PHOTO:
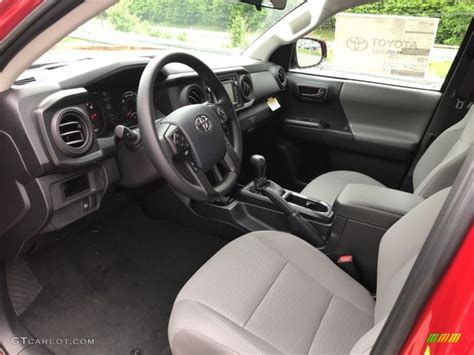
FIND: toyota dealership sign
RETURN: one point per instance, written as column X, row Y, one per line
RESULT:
column 384, row 45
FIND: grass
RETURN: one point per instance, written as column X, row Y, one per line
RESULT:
column 182, row 36
column 68, row 41
column 325, row 35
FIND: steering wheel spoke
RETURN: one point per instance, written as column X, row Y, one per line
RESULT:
column 161, row 135
column 231, row 160
column 176, row 140
column 200, row 177
column 222, row 115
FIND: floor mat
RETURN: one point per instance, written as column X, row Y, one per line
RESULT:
column 114, row 284
column 23, row 287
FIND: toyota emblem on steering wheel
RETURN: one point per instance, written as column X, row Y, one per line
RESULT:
column 203, row 124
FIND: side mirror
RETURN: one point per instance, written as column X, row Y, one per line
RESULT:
column 310, row 52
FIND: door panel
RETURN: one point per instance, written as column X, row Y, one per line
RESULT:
column 330, row 110
column 370, row 128
column 388, row 115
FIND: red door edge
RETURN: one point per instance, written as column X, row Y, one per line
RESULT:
column 446, row 323
column 13, row 12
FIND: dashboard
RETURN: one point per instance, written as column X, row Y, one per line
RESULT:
column 58, row 135
column 113, row 100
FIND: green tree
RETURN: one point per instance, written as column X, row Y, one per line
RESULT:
column 121, row 18
column 221, row 15
column 237, row 31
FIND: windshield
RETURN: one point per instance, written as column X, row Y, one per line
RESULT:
column 144, row 26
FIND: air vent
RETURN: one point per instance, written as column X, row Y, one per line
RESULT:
column 280, row 77
column 26, row 80
column 246, row 87
column 72, row 131
column 195, row 95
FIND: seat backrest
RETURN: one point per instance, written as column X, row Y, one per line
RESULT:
column 398, row 251
column 440, row 164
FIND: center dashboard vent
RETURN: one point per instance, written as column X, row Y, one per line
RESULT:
column 72, row 131
column 194, row 95
column 246, row 87
column 280, row 76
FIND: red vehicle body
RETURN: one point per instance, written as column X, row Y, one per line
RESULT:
column 446, row 324
column 13, row 12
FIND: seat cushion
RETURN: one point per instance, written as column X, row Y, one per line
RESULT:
column 327, row 187
column 269, row 292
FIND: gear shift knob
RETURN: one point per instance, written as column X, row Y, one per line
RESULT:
column 260, row 167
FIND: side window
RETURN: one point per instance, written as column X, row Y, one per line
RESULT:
column 401, row 42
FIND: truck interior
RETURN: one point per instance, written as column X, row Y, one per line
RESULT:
column 192, row 202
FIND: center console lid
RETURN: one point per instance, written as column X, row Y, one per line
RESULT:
column 375, row 205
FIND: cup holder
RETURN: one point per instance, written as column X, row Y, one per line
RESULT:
column 302, row 201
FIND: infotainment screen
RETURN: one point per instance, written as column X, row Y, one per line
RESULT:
column 230, row 90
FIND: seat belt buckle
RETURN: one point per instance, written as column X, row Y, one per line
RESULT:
column 346, row 263
column 459, row 104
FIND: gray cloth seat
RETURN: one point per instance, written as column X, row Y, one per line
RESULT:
column 270, row 293
column 436, row 169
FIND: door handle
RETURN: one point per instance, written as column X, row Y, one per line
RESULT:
column 312, row 93
column 319, row 94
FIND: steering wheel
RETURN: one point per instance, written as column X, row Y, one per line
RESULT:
column 194, row 140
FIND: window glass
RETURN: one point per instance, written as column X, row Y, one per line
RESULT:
column 223, row 27
column 409, row 42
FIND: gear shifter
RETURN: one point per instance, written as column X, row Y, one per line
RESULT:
column 298, row 225
column 260, row 167
column 260, row 181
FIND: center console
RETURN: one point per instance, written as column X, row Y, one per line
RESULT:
column 266, row 193
column 264, row 205
column 310, row 208
column 366, row 212
column 374, row 205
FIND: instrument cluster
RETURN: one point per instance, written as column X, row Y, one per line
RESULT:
column 108, row 109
